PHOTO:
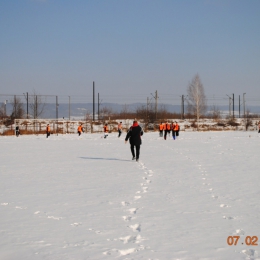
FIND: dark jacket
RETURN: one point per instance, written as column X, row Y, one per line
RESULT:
column 134, row 134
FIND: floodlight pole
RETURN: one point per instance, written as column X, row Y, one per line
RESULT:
column 239, row 106
column 69, row 108
column 93, row 101
column 233, row 106
column 182, row 106
column 244, row 104
column 57, row 105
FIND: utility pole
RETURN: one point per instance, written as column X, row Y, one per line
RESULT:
column 239, row 106
column 69, row 108
column 93, row 101
column 27, row 105
column 233, row 106
column 156, row 104
column 57, row 117
column 244, row 104
column 147, row 109
column 36, row 107
column 182, row 106
column 99, row 102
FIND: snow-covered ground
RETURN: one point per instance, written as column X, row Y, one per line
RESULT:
column 70, row 197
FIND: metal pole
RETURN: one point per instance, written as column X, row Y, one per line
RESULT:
column 36, row 108
column 182, row 112
column 27, row 105
column 15, row 104
column 69, row 108
column 57, row 114
column 229, row 107
column 233, row 106
column 156, row 97
column 183, row 107
column 244, row 103
column 147, row 109
column 93, row 101
column 239, row 106
column 98, row 107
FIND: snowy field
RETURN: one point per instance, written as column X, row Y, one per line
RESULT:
column 70, row 197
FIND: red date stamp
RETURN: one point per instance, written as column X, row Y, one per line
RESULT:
column 249, row 241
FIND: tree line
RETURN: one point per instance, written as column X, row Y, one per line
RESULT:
column 196, row 108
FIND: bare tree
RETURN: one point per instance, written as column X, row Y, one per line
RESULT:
column 247, row 120
column 196, row 98
column 17, row 108
column 106, row 113
column 36, row 105
column 215, row 113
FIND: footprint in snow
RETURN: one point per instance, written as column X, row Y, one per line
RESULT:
column 133, row 210
column 229, row 218
column 145, row 189
column 55, row 218
column 17, row 207
column 251, row 253
column 240, row 232
column 4, row 204
column 96, row 231
column 131, row 239
column 127, row 218
column 223, row 206
column 137, row 197
column 214, row 197
column 125, row 203
column 115, row 252
column 76, row 224
column 136, row 227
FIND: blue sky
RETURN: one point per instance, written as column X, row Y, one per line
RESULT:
column 129, row 48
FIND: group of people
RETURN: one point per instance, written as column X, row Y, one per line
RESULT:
column 119, row 129
column 167, row 128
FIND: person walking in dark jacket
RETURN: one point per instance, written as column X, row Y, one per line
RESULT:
column 134, row 135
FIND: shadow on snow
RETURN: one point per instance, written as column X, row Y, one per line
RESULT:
column 109, row 159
